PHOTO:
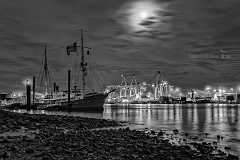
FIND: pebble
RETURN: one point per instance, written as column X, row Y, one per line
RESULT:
column 4, row 155
column 153, row 132
column 61, row 137
column 175, row 131
column 232, row 157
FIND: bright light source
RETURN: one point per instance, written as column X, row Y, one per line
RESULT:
column 208, row 88
column 143, row 14
column 177, row 89
column 27, row 82
column 165, row 82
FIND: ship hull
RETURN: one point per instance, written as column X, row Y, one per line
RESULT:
column 91, row 103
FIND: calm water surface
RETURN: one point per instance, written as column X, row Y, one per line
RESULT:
column 194, row 119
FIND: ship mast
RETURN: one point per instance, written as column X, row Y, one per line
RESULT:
column 44, row 74
column 83, row 65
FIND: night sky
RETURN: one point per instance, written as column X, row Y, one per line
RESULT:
column 181, row 38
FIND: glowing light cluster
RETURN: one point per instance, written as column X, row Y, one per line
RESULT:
column 141, row 11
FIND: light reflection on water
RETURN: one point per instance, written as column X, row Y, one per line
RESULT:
column 212, row 119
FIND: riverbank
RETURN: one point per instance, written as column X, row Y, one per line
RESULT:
column 25, row 136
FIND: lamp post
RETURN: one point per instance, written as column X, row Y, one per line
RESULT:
column 28, row 93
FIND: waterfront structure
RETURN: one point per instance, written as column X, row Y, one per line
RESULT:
column 160, row 91
column 135, row 92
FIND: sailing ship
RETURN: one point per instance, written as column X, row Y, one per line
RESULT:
column 72, row 99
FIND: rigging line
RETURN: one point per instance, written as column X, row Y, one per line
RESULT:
column 91, row 69
column 79, row 71
column 44, row 73
column 49, row 78
column 97, row 80
column 40, row 72
column 90, row 76
column 75, row 71
column 101, row 79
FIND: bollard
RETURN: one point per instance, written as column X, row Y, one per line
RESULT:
column 54, row 87
column 57, row 88
column 69, row 85
column 33, row 89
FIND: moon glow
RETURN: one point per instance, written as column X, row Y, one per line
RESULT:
column 141, row 12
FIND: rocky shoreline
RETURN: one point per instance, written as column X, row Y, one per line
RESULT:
column 27, row 136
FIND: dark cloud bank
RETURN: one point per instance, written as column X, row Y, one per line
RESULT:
column 182, row 40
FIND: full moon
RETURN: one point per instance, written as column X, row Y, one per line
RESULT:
column 142, row 11
column 143, row 15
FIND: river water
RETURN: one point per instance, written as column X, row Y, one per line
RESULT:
column 194, row 119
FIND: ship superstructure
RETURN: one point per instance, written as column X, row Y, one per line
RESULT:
column 77, row 99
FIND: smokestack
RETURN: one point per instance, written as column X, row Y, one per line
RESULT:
column 34, row 86
column 69, row 85
column 54, row 87
column 28, row 90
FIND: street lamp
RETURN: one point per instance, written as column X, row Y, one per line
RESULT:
column 28, row 93
column 27, row 82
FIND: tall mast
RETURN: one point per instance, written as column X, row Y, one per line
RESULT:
column 44, row 74
column 83, row 65
column 46, row 69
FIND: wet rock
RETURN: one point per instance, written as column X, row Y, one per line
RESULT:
column 4, row 155
column 175, row 131
column 29, row 138
column 214, row 143
column 62, row 137
column 186, row 134
column 153, row 132
column 227, row 148
column 232, row 157
column 14, row 148
column 194, row 137
column 29, row 150
column 160, row 133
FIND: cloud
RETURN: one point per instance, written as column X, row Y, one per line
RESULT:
column 180, row 38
